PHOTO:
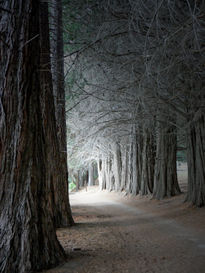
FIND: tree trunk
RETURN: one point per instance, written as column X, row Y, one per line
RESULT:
column 91, row 175
column 129, row 168
column 80, row 178
column 165, row 180
column 64, row 216
column 148, row 159
column 139, row 147
column 95, row 170
column 124, row 154
column 101, row 172
column 136, row 172
column 27, row 233
column 196, row 162
column 85, row 179
column 78, row 181
column 117, row 165
column 107, row 173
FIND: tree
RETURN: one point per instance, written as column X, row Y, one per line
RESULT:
column 28, row 240
column 64, row 216
column 165, row 180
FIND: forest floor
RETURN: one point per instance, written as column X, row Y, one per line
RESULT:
column 124, row 234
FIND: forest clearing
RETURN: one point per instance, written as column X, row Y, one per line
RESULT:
column 124, row 234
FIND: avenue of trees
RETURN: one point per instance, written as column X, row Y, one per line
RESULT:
column 132, row 72
column 136, row 93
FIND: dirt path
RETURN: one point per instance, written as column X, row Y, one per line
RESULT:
column 122, row 234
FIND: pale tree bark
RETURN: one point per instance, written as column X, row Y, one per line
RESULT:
column 165, row 178
column 129, row 169
column 27, row 232
column 136, row 172
column 139, row 147
column 91, row 175
column 124, row 156
column 117, row 165
column 64, row 215
column 107, row 172
column 99, row 165
column 101, row 172
column 135, row 190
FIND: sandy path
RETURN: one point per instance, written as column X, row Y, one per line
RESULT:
column 116, row 234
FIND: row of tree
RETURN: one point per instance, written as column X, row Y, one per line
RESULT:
column 33, row 160
column 136, row 93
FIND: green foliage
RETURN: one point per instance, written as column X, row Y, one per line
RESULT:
column 76, row 22
column 181, row 156
column 71, row 184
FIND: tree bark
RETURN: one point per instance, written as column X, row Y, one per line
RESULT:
column 80, row 178
column 148, row 160
column 64, row 215
column 101, row 172
column 124, row 154
column 129, row 168
column 28, row 240
column 134, row 168
column 117, row 165
column 165, row 180
column 91, row 175
column 196, row 162
column 139, row 147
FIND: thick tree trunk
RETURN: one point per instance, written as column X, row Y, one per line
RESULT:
column 148, row 160
column 139, row 147
column 124, row 156
column 91, row 175
column 78, row 181
column 101, row 172
column 95, row 171
column 196, row 162
column 80, row 178
column 27, row 233
column 117, row 165
column 165, row 180
column 129, row 169
column 107, row 173
column 85, row 179
column 64, row 216
column 134, row 164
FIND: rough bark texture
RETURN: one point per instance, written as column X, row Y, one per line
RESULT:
column 64, row 216
column 135, row 188
column 124, row 155
column 148, row 160
column 27, row 233
column 108, row 185
column 117, row 165
column 165, row 180
column 129, row 169
column 139, row 148
column 196, row 161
